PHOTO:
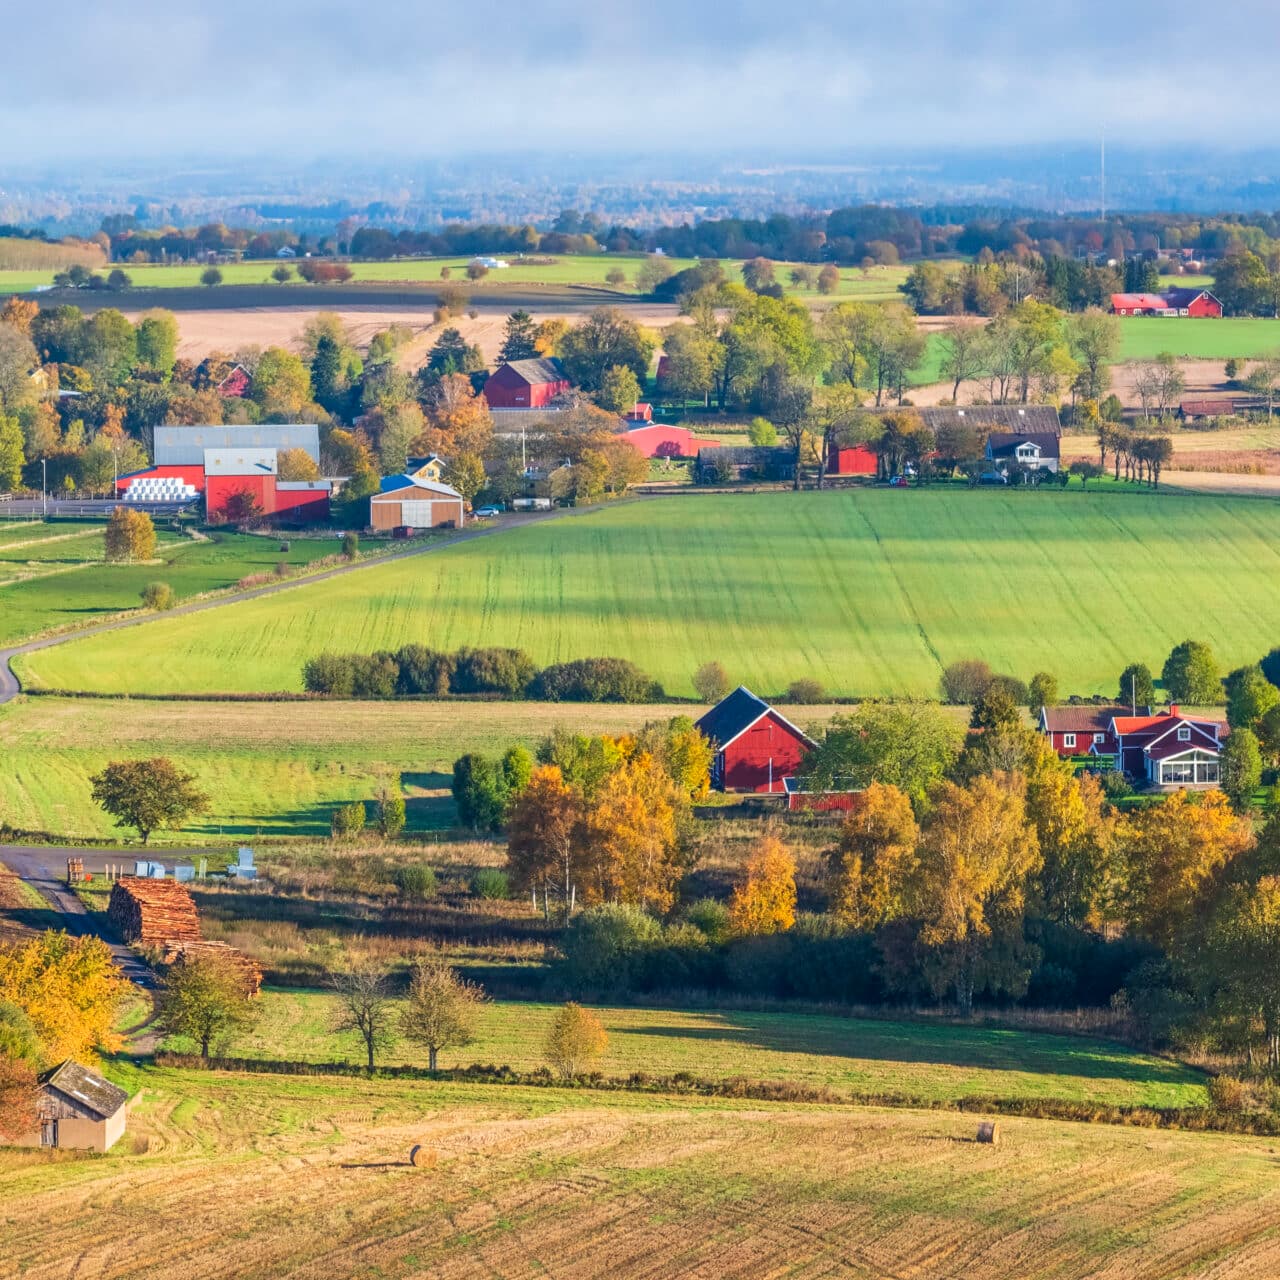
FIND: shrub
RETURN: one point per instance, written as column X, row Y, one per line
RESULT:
column 350, row 544
column 711, row 918
column 1226, row 1093
column 347, row 820
column 424, row 670
column 604, row 947
column 805, row 692
column 391, row 816
column 507, row 671
column 329, row 673
column 711, row 682
column 158, row 596
column 479, row 792
column 374, row 676
column 491, row 883
column 594, row 680
column 965, row 681
column 575, row 1041
column 416, row 882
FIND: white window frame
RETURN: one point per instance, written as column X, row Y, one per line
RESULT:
column 1068, row 739
column 1099, row 738
column 1184, row 734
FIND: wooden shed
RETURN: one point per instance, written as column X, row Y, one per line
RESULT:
column 153, row 911
column 77, row 1109
column 407, row 502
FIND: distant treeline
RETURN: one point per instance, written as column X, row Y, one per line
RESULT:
column 417, row 671
column 844, row 236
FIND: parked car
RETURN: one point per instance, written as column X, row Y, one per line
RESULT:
column 993, row 477
column 899, row 482
column 487, row 513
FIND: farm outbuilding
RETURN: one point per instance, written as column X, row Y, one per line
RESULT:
column 526, row 384
column 851, row 460
column 655, row 440
column 407, row 502
column 1195, row 303
column 185, row 446
column 77, row 1110
column 756, row 748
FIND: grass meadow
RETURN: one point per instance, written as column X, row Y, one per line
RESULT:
column 537, row 1182
column 53, row 575
column 871, row 592
column 1143, row 337
column 933, row 1061
column 876, row 282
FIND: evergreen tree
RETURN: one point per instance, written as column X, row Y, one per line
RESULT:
column 520, row 339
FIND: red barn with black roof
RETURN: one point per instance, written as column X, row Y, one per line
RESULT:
column 756, row 747
column 526, row 384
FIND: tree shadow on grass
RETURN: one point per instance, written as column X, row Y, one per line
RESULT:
column 931, row 1044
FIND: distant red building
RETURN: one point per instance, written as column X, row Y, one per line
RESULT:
column 756, row 747
column 851, row 460
column 526, row 384
column 1197, row 303
column 639, row 414
column 657, row 440
column 235, row 385
column 1080, row 731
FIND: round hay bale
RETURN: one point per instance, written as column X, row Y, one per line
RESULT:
column 989, row 1132
column 423, row 1157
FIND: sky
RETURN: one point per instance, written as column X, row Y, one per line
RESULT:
column 139, row 78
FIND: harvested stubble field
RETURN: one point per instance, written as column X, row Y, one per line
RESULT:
column 275, row 770
column 258, row 1177
column 926, row 1060
column 871, row 592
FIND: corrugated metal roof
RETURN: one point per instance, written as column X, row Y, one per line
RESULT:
column 240, row 462
column 186, row 445
column 398, row 484
column 321, row 486
column 1039, row 419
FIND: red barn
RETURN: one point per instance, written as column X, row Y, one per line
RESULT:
column 756, row 748
column 851, row 460
column 235, row 385
column 1194, row 302
column 1173, row 302
column 526, row 384
column 166, row 476
column 659, row 441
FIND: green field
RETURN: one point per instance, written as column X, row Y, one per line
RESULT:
column 53, row 575
column 877, row 282
column 868, row 591
column 265, row 1176
column 1146, row 336
column 922, row 1060
column 270, row 770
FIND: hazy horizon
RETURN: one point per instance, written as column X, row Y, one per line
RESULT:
column 140, row 80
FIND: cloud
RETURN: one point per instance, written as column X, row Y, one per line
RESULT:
column 142, row 78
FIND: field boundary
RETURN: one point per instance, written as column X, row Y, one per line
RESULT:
column 1191, row 1119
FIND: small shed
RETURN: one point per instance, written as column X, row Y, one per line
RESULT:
column 77, row 1109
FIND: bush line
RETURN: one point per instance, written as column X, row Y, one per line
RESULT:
column 1191, row 1119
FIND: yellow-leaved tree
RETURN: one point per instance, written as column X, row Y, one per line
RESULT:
column 870, row 867
column 70, row 988
column 764, row 899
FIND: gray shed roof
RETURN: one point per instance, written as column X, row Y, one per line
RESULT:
column 185, row 446
column 1039, row 419
column 92, row 1091
column 239, row 462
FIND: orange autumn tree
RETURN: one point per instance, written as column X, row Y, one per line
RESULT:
column 69, row 988
column 876, row 854
column 1172, row 854
column 630, row 837
column 17, row 1098
column 764, row 899
column 543, row 849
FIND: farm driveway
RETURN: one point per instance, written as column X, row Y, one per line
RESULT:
column 10, row 686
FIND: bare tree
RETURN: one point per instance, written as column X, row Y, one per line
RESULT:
column 364, row 1006
column 1264, row 380
column 964, row 354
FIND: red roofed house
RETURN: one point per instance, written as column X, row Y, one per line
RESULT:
column 1170, row 749
column 1173, row 302
column 526, row 384
column 1080, row 731
column 640, row 414
column 756, row 748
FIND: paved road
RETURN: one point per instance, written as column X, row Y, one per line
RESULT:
column 45, row 869
column 11, row 686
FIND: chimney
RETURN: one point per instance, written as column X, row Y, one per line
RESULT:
column 1174, row 709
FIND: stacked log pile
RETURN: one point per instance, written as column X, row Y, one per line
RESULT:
column 248, row 970
column 153, row 911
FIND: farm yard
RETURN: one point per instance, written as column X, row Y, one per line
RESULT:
column 547, row 1181
column 53, row 575
column 869, row 592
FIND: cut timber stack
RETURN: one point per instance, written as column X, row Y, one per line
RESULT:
column 248, row 970
column 153, row 911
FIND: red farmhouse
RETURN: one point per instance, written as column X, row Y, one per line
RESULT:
column 756, row 748
column 1080, row 731
column 526, row 384
column 851, row 460
column 1173, row 302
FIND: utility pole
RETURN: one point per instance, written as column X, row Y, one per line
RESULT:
column 44, row 484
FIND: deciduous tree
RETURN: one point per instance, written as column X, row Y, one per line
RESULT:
column 1191, row 674
column 442, row 1010
column 542, row 835
column 764, row 899
column 1241, row 768
column 130, row 535
column 362, row 1003
column 577, row 1039
column 871, row 865
column 149, row 795
column 205, row 999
